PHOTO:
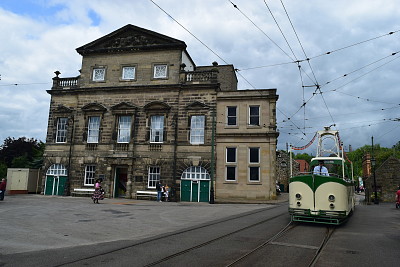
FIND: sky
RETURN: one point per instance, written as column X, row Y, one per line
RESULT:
column 333, row 63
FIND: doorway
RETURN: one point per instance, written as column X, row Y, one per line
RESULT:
column 120, row 180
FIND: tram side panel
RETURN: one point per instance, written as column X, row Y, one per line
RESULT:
column 332, row 197
column 301, row 196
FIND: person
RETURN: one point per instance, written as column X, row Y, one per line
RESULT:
column 3, row 186
column 166, row 192
column 159, row 188
column 321, row 169
column 98, row 192
column 398, row 198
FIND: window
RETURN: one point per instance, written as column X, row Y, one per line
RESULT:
column 93, row 129
column 57, row 170
column 231, row 173
column 254, row 174
column 61, row 134
column 124, row 129
column 154, row 177
column 231, row 117
column 197, row 129
column 89, row 174
column 160, row 71
column 195, row 173
column 254, row 155
column 231, row 154
column 128, row 73
column 254, row 115
column 157, row 129
column 99, row 74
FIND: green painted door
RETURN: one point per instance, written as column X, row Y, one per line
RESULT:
column 49, row 185
column 195, row 191
column 185, row 190
column 62, row 180
column 204, row 191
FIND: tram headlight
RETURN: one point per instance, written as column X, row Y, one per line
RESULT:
column 331, row 198
column 298, row 196
column 332, row 206
column 298, row 203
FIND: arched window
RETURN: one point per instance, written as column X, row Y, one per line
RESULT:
column 57, row 169
column 195, row 173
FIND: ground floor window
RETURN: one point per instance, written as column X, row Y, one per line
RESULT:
column 153, row 176
column 196, row 173
column 230, row 173
column 254, row 174
column 57, row 170
column 90, row 171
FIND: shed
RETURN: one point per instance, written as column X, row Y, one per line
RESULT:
column 23, row 181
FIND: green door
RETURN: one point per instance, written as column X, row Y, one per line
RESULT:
column 204, row 191
column 62, row 180
column 195, row 191
column 185, row 190
column 49, row 185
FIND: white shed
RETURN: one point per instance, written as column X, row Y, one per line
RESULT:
column 23, row 181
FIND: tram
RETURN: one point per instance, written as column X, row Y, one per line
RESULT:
column 320, row 196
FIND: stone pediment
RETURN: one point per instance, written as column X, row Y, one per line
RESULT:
column 156, row 105
column 130, row 38
column 94, row 107
column 62, row 109
column 123, row 107
column 197, row 105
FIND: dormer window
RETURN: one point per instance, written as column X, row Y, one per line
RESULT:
column 99, row 74
column 160, row 71
column 128, row 73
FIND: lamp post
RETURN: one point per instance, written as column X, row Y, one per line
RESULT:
column 373, row 162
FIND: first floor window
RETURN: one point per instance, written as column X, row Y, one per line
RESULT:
column 154, row 177
column 231, row 154
column 160, row 71
column 90, row 170
column 254, row 115
column 157, row 129
column 231, row 117
column 99, row 74
column 197, row 130
column 254, row 155
column 61, row 134
column 128, row 73
column 93, row 129
column 230, row 173
column 124, row 129
column 254, row 174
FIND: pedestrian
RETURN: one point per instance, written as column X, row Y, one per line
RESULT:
column 398, row 198
column 3, row 186
column 321, row 169
column 98, row 192
column 159, row 189
column 166, row 192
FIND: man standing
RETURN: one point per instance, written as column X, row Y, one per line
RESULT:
column 159, row 191
column 3, row 186
column 321, row 169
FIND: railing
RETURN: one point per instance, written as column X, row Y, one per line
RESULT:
column 201, row 76
column 65, row 83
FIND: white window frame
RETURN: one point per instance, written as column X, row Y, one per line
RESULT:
column 157, row 129
column 226, row 155
column 254, row 116
column 90, row 172
column 258, row 174
column 93, row 132
column 153, row 177
column 57, row 170
column 124, row 129
column 99, row 74
column 126, row 70
column 160, row 71
column 197, row 124
column 230, row 116
column 226, row 173
column 195, row 173
column 61, row 133
column 258, row 155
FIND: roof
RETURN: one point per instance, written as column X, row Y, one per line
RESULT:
column 130, row 38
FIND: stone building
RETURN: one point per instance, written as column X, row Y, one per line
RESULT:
column 141, row 111
column 284, row 170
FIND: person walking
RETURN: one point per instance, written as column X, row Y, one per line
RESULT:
column 159, row 189
column 98, row 192
column 3, row 186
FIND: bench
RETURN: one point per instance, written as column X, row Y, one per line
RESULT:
column 82, row 192
column 148, row 194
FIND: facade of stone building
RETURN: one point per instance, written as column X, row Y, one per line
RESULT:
column 284, row 170
column 141, row 111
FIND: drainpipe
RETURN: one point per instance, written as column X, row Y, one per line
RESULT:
column 68, row 183
column 212, row 200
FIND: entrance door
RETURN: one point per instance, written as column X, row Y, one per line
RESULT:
column 195, row 185
column 55, row 185
column 121, row 178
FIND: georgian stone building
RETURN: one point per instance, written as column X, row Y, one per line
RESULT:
column 142, row 111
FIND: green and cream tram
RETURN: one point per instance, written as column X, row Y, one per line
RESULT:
column 323, row 197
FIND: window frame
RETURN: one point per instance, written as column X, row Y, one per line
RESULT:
column 229, row 116
column 197, row 135
column 127, row 130
column 62, row 130
column 228, row 179
column 123, row 73
column 153, row 130
column 153, row 172
column 97, row 68
column 258, row 155
column 90, row 174
column 156, row 72
column 226, row 154
column 254, row 116
column 93, row 130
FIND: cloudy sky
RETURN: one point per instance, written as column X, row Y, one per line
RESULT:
column 351, row 79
